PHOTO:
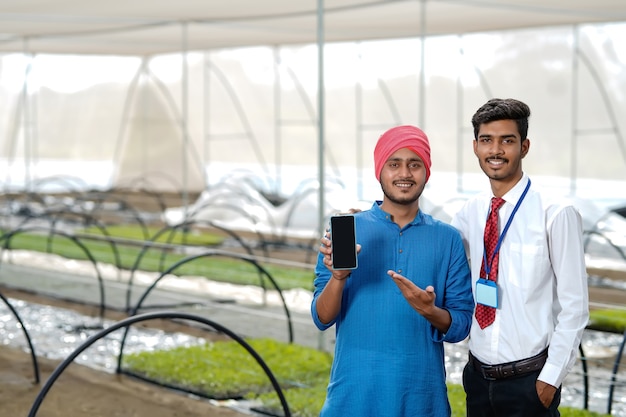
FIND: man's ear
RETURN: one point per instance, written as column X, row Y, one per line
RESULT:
column 525, row 147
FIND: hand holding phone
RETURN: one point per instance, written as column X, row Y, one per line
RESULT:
column 343, row 242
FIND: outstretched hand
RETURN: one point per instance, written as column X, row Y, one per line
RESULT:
column 422, row 300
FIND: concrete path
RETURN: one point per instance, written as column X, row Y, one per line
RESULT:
column 249, row 319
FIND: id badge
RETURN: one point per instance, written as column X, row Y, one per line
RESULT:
column 487, row 293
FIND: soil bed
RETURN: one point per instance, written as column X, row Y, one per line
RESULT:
column 82, row 391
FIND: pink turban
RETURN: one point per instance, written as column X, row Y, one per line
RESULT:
column 401, row 137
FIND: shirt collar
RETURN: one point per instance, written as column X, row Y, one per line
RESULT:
column 383, row 215
column 515, row 193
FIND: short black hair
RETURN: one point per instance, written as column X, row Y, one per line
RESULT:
column 502, row 109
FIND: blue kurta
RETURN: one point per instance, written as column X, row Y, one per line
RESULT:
column 389, row 360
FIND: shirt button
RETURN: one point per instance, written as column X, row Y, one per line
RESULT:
column 399, row 271
column 400, row 251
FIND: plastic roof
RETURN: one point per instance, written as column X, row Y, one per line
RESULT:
column 133, row 27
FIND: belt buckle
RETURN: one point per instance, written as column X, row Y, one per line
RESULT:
column 484, row 373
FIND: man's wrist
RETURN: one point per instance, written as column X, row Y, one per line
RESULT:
column 341, row 279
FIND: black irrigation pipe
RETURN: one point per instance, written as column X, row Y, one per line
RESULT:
column 9, row 235
column 151, row 316
column 90, row 220
column 145, row 247
column 19, row 206
column 185, row 227
column 98, row 197
column 175, row 387
column 103, row 197
column 310, row 248
column 151, row 244
column 54, row 216
column 262, row 270
column 583, row 361
column 614, row 374
column 239, row 210
column 621, row 347
column 28, row 340
column 32, row 196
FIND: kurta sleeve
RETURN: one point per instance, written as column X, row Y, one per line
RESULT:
column 458, row 298
column 322, row 275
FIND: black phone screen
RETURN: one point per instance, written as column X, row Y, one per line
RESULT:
column 343, row 238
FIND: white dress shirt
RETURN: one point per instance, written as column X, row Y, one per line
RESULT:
column 542, row 280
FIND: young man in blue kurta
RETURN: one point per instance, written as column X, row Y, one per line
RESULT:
column 410, row 293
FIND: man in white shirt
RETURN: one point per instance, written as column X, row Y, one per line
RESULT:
column 537, row 286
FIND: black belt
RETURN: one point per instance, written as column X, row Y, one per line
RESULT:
column 507, row 370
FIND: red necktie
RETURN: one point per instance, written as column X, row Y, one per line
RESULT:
column 486, row 315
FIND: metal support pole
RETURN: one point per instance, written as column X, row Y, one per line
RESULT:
column 320, row 125
column 421, row 111
column 320, row 117
column 573, row 147
column 184, row 117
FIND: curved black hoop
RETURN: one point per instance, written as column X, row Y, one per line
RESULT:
column 209, row 253
column 28, row 340
column 151, row 316
column 5, row 240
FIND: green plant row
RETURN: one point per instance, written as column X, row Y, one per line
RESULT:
column 157, row 259
column 215, row 268
column 608, row 320
column 224, row 369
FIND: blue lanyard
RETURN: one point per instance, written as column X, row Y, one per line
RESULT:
column 501, row 237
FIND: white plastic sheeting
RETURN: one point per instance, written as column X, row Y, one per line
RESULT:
column 161, row 26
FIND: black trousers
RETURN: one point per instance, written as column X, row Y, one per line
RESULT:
column 509, row 397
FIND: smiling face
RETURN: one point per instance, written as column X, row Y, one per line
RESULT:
column 403, row 177
column 500, row 151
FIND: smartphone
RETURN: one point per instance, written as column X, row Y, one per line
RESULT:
column 343, row 241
